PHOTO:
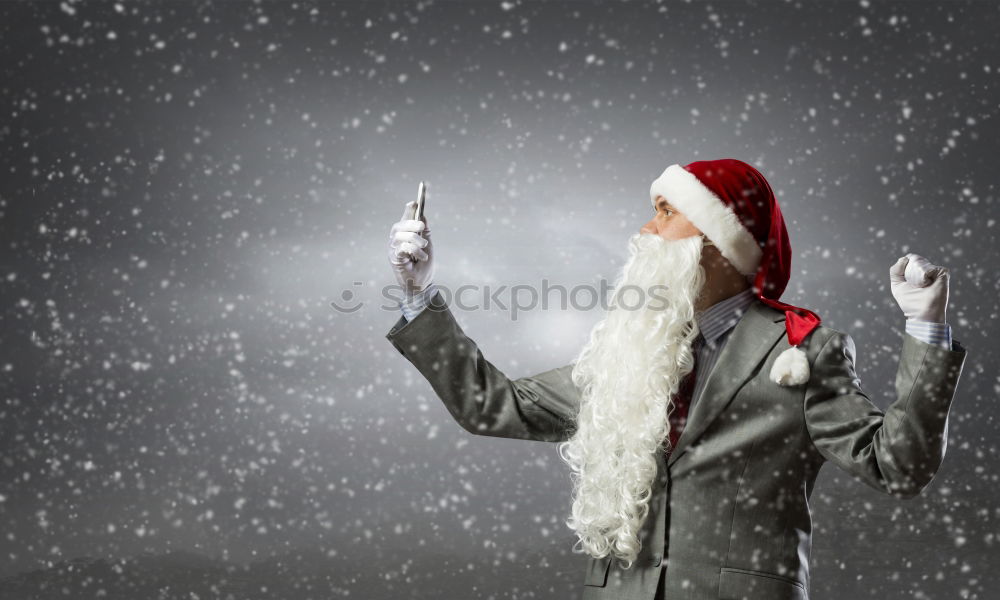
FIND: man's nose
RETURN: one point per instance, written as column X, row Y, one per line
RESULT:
column 649, row 227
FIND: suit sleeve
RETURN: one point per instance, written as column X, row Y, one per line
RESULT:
column 479, row 396
column 896, row 452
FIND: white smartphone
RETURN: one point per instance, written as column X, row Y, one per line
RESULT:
column 421, row 196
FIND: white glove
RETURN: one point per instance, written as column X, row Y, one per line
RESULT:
column 410, row 254
column 920, row 288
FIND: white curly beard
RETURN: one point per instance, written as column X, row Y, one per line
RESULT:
column 628, row 371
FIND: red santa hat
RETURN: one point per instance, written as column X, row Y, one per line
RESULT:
column 733, row 205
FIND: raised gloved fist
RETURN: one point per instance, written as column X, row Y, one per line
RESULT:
column 920, row 288
column 411, row 252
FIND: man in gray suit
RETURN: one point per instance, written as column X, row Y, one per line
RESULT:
column 695, row 421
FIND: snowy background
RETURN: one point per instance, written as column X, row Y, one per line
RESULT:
column 186, row 187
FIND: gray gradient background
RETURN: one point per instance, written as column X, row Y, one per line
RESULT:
column 180, row 204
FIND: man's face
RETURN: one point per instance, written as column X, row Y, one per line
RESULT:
column 669, row 223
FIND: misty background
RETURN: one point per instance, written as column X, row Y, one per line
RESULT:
column 186, row 187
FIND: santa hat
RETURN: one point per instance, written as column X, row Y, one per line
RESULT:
column 733, row 205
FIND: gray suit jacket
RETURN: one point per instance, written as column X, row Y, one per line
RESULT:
column 730, row 517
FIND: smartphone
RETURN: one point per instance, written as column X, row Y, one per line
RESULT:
column 421, row 196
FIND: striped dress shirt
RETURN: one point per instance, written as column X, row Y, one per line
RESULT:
column 715, row 324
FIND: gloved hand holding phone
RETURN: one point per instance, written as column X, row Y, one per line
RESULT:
column 411, row 251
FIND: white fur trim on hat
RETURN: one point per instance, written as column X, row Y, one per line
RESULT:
column 791, row 367
column 710, row 214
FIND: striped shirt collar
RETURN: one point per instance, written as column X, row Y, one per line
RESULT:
column 724, row 315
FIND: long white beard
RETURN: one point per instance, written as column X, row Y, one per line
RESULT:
column 628, row 372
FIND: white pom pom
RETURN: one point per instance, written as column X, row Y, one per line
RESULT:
column 791, row 367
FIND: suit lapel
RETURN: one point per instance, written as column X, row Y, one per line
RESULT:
column 748, row 345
